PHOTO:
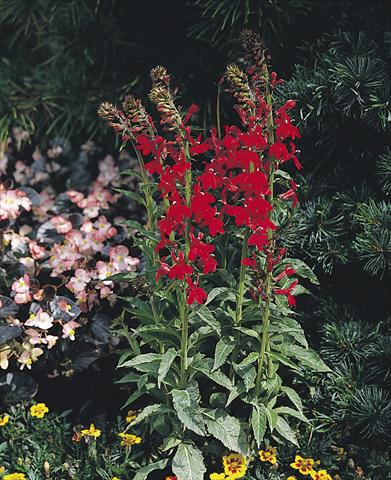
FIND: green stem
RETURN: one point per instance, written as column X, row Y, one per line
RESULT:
column 184, row 309
column 242, row 276
column 265, row 342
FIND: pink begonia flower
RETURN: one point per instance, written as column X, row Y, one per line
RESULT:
column 117, row 257
column 18, row 242
column 108, row 171
column 21, row 288
column 62, row 258
column 10, row 203
column 68, row 330
column 35, row 336
column 105, row 270
column 61, row 224
column 104, row 291
column 40, row 319
column 29, row 356
column 50, row 341
column 37, row 252
column 79, row 281
column 65, row 307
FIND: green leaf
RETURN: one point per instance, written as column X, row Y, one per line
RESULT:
column 292, row 413
column 251, row 358
column 188, row 463
column 143, row 358
column 272, row 418
column 137, row 226
column 285, row 431
column 293, row 397
column 258, row 423
column 132, row 173
column 206, row 316
column 143, row 472
column 227, row 429
column 167, row 359
column 188, row 411
column 205, row 366
column 223, row 348
column 133, row 195
column 306, row 356
column 151, row 410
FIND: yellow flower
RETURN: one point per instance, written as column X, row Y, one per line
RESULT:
column 115, row 478
column 39, row 410
column 131, row 416
column 268, row 455
column 128, row 439
column 4, row 420
column 320, row 475
column 235, row 465
column 217, row 476
column 15, row 476
column 91, row 432
column 304, row 465
column 291, row 477
column 2, row 469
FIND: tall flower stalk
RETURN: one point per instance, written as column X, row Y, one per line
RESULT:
column 219, row 186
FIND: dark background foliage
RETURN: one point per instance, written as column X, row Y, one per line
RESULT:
column 59, row 59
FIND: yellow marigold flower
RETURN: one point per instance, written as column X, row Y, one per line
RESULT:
column 128, row 439
column 115, row 478
column 235, row 465
column 2, row 469
column 15, row 476
column 268, row 455
column 304, row 465
column 291, row 477
column 131, row 416
column 320, row 475
column 91, row 432
column 39, row 410
column 217, row 476
column 4, row 420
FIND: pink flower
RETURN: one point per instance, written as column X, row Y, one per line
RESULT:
column 68, row 330
column 10, row 203
column 21, row 288
column 40, row 319
column 37, row 252
column 79, row 281
column 61, row 224
column 121, row 261
column 105, row 270
column 29, row 355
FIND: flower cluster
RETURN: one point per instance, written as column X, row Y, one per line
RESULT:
column 58, row 255
column 206, row 183
column 268, row 455
column 306, row 467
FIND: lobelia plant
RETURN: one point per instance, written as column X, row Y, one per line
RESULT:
column 212, row 332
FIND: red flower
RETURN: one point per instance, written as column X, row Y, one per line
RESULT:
column 180, row 268
column 195, row 293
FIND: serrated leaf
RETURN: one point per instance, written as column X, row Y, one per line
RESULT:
column 133, row 195
column 143, row 472
column 283, row 428
column 302, row 269
column 188, row 463
column 223, row 348
column 251, row 358
column 306, row 356
column 291, row 413
column 272, row 418
column 143, row 358
column 188, row 410
column 293, row 397
column 151, row 410
column 206, row 316
column 167, row 359
column 258, row 423
column 227, row 429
